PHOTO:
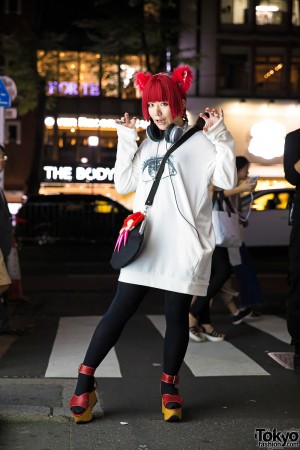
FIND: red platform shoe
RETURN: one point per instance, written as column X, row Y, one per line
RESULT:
column 87, row 401
column 171, row 414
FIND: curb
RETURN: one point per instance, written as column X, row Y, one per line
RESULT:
column 40, row 413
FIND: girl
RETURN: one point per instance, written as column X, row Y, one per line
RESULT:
column 179, row 240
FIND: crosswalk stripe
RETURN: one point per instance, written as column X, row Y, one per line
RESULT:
column 211, row 359
column 273, row 325
column 206, row 359
column 72, row 339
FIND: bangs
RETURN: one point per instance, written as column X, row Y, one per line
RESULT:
column 161, row 88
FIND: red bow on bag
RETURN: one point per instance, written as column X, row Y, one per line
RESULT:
column 129, row 224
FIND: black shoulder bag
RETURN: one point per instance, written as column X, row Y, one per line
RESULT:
column 131, row 235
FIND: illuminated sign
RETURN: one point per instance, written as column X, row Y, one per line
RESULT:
column 267, row 139
column 88, row 122
column 72, row 88
column 78, row 174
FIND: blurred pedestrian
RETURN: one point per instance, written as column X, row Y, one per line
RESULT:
column 5, row 247
column 176, row 255
column 5, row 281
column 250, row 296
column 225, row 261
column 292, row 174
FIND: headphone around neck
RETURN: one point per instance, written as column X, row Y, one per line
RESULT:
column 171, row 134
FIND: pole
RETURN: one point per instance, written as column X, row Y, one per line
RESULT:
column 2, row 125
column 2, row 120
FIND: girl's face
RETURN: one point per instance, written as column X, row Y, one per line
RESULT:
column 243, row 173
column 161, row 115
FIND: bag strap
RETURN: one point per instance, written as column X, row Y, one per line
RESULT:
column 220, row 199
column 158, row 176
column 216, row 200
column 228, row 203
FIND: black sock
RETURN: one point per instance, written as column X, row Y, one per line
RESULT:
column 167, row 388
column 85, row 383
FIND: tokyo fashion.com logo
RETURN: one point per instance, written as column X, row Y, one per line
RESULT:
column 267, row 438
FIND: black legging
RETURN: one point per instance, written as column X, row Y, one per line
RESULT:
column 125, row 303
column 220, row 272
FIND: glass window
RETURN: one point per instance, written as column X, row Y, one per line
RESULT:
column 13, row 132
column 70, row 73
column 47, row 64
column 272, row 200
column 129, row 66
column 296, row 13
column 110, row 76
column 271, row 12
column 234, row 12
column 89, row 71
column 295, row 73
column 269, row 71
column 78, row 73
column 234, row 71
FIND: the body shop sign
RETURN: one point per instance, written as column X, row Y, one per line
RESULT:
column 78, row 174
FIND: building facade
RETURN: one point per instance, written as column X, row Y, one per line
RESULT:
column 246, row 60
column 250, row 67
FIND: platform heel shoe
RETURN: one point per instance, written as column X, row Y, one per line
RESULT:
column 171, row 413
column 87, row 401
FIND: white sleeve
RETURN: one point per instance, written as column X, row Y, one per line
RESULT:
column 126, row 166
column 224, row 174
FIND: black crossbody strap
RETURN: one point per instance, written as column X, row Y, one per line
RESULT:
column 156, row 181
column 227, row 201
column 217, row 201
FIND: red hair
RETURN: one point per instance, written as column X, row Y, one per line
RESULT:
column 164, row 87
column 161, row 88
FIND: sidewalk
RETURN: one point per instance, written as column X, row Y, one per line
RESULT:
column 36, row 415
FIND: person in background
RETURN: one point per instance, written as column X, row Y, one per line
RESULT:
column 5, row 281
column 176, row 253
column 5, row 247
column 225, row 261
column 250, row 296
column 291, row 161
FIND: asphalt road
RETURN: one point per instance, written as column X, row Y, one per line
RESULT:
column 235, row 396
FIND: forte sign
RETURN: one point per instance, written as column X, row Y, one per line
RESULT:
column 72, row 88
column 78, row 174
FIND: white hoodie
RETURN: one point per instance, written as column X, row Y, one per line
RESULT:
column 174, row 256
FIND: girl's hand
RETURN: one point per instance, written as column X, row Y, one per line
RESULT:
column 126, row 122
column 245, row 186
column 211, row 116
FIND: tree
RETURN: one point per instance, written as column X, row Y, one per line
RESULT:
column 116, row 29
column 19, row 49
column 134, row 27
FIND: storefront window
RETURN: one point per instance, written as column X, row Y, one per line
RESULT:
column 70, row 73
column 109, row 76
column 269, row 72
column 89, row 74
column 234, row 71
column 128, row 68
column 47, row 64
column 234, row 11
column 295, row 73
column 271, row 12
